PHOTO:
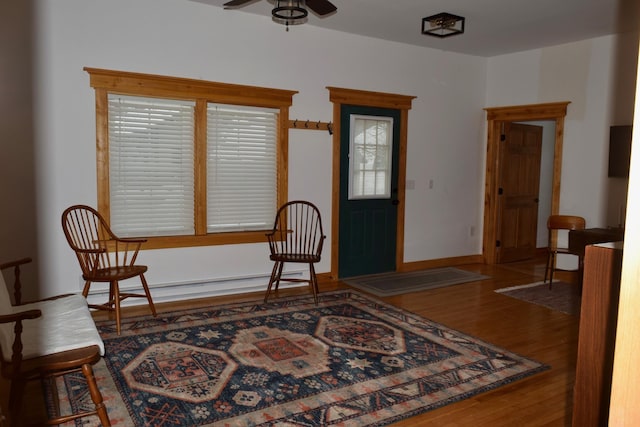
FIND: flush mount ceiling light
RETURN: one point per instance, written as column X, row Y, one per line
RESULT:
column 443, row 25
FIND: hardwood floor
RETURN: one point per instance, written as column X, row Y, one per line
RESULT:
column 550, row 337
column 544, row 399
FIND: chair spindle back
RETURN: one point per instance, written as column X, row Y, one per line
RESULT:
column 298, row 229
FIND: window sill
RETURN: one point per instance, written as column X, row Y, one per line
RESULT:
column 166, row 242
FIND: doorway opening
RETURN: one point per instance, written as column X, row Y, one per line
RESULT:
column 497, row 118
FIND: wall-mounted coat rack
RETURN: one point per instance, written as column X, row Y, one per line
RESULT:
column 309, row 125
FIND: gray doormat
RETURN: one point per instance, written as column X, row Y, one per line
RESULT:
column 387, row 284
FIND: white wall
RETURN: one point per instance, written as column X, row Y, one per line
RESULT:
column 446, row 141
column 446, row 135
column 18, row 233
column 594, row 76
column 587, row 74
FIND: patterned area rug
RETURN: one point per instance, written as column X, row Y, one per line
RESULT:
column 387, row 284
column 562, row 296
column 349, row 361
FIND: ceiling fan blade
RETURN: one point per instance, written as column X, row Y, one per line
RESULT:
column 236, row 3
column 321, row 7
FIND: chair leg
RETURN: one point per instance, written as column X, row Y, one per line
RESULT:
column 552, row 268
column 279, row 275
column 112, row 299
column 148, row 294
column 313, row 281
column 85, row 290
column 96, row 396
column 546, row 267
column 116, row 300
column 275, row 274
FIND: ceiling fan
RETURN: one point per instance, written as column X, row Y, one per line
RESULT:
column 290, row 11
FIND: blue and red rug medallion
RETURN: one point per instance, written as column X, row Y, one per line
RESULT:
column 349, row 361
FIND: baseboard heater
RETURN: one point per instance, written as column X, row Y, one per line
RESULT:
column 180, row 291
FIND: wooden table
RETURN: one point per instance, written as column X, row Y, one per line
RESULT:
column 579, row 239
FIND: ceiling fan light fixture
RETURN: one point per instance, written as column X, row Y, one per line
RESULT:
column 443, row 25
column 289, row 12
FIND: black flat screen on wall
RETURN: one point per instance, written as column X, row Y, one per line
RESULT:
column 619, row 151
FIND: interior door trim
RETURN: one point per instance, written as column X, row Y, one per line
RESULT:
column 496, row 117
column 340, row 96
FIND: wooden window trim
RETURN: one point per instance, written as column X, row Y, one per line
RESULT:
column 105, row 82
column 496, row 117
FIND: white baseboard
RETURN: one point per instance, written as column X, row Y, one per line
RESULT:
column 180, row 291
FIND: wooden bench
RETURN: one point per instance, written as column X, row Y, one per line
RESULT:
column 46, row 339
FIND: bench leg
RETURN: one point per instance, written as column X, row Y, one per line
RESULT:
column 96, row 396
column 15, row 401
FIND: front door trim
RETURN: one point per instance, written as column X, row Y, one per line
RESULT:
column 340, row 96
column 496, row 117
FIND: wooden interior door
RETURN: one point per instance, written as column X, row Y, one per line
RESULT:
column 518, row 192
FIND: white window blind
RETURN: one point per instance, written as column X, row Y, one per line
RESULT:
column 241, row 168
column 151, row 166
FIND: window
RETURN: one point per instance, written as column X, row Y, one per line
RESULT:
column 241, row 159
column 371, row 144
column 151, row 164
column 187, row 162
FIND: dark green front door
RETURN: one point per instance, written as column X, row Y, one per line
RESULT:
column 369, row 140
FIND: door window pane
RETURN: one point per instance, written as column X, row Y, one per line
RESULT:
column 370, row 148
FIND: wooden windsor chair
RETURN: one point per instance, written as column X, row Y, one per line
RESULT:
column 297, row 237
column 104, row 257
column 44, row 340
column 557, row 223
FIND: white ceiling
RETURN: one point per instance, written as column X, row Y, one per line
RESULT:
column 492, row 27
